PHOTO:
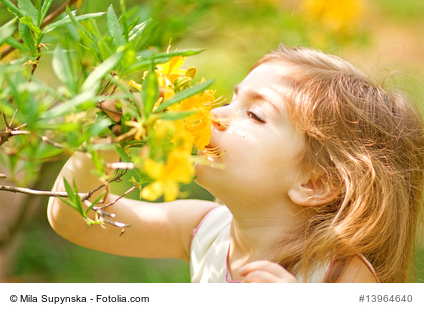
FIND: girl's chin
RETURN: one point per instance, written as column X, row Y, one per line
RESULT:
column 205, row 173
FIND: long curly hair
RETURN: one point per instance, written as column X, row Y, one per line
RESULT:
column 368, row 144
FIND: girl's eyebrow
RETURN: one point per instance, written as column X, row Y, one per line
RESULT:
column 254, row 94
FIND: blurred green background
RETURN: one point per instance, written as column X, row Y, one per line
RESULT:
column 383, row 37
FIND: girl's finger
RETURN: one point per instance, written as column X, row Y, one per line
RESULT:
column 260, row 277
column 268, row 266
column 272, row 268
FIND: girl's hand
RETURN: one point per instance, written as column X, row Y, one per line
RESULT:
column 265, row 272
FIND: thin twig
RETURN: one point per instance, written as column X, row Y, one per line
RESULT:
column 102, row 215
column 114, row 179
column 50, row 142
column 6, row 134
column 12, row 119
column 83, row 196
column 10, row 130
column 33, row 192
column 35, row 63
column 89, row 204
column 120, row 165
column 19, row 132
column 117, row 199
column 99, row 106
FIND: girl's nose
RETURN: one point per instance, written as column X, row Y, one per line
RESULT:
column 218, row 119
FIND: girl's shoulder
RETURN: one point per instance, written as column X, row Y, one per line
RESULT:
column 358, row 270
column 213, row 223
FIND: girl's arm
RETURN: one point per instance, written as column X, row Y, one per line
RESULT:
column 158, row 230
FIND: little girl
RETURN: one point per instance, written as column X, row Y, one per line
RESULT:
column 322, row 182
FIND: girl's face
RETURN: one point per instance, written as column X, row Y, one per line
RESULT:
column 257, row 141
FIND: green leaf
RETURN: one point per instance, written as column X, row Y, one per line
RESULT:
column 68, row 188
column 121, row 152
column 124, row 17
column 12, row 8
column 186, row 93
column 127, row 116
column 28, row 38
column 124, row 156
column 95, row 158
column 150, row 92
column 43, row 12
column 160, row 58
column 105, row 46
column 137, row 30
column 172, row 116
column 129, row 58
column 97, row 200
column 27, row 7
column 71, row 204
column 29, row 22
column 68, row 20
column 7, row 30
column 170, row 55
column 93, row 81
column 78, row 202
column 77, row 24
column 16, row 44
column 63, row 69
column 67, row 106
column 46, row 152
column 75, row 201
column 114, row 27
column 98, row 127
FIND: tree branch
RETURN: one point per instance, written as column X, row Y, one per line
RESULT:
column 14, row 131
column 116, row 200
column 50, row 142
column 10, row 130
column 121, row 166
column 63, row 194
column 84, row 198
column 33, row 192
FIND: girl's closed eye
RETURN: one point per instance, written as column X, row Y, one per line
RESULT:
column 255, row 117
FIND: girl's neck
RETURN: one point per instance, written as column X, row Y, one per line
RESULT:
column 256, row 231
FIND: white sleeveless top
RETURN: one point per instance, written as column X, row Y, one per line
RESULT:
column 209, row 247
column 209, row 251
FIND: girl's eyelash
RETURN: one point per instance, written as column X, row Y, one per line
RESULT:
column 256, row 118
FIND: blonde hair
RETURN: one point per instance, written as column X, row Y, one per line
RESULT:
column 368, row 144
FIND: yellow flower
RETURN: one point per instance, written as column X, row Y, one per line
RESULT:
column 173, row 132
column 135, row 85
column 199, row 123
column 170, row 71
column 177, row 169
column 172, row 139
column 137, row 130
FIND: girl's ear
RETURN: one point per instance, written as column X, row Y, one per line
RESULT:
column 314, row 192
